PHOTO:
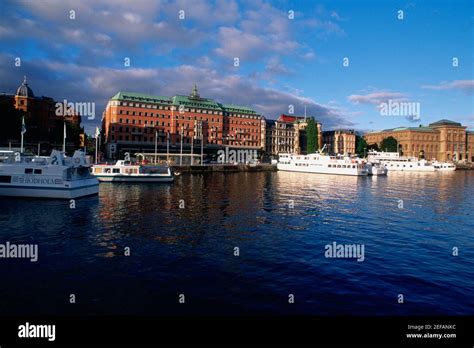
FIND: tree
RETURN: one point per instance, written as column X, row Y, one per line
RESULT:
column 361, row 146
column 389, row 144
column 312, row 136
column 373, row 146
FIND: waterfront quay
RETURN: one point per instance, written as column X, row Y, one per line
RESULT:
column 224, row 168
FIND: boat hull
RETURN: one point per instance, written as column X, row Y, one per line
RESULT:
column 323, row 170
column 76, row 190
column 128, row 178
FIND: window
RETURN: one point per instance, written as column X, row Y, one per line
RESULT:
column 38, row 171
column 28, row 171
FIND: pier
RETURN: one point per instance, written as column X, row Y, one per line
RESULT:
column 224, row 168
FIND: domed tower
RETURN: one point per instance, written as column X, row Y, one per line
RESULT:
column 24, row 97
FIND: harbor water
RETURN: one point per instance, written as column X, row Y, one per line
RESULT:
column 245, row 244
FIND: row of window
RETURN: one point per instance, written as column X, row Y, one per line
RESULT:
column 202, row 111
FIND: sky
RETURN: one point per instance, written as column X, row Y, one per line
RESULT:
column 344, row 60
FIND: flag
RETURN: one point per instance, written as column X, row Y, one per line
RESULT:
column 23, row 127
column 97, row 132
column 64, row 130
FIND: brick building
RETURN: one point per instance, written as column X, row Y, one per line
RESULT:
column 42, row 124
column 131, row 121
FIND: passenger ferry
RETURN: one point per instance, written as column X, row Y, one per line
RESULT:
column 125, row 171
column 374, row 168
column 444, row 166
column 321, row 164
column 55, row 176
column 394, row 162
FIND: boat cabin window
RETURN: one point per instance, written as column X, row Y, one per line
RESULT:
column 153, row 170
column 107, row 170
column 28, row 170
column 97, row 170
column 5, row 178
column 38, row 171
column 116, row 170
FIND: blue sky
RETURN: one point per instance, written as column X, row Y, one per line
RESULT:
column 282, row 61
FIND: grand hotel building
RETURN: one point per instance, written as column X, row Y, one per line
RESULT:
column 443, row 140
column 132, row 120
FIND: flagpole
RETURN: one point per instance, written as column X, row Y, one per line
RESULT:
column 156, row 143
column 22, row 132
column 96, row 146
column 192, row 148
column 168, row 148
column 181, row 151
column 202, row 144
column 64, row 138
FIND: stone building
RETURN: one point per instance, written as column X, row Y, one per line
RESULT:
column 340, row 141
column 287, row 134
column 443, row 140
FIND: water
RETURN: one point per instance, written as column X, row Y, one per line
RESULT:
column 190, row 251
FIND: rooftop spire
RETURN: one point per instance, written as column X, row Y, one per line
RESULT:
column 195, row 93
column 24, row 80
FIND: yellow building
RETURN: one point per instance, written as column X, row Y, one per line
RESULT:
column 340, row 141
column 443, row 140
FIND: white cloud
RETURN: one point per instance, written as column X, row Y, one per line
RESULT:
column 467, row 86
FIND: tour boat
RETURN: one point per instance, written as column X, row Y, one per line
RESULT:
column 374, row 168
column 394, row 162
column 444, row 166
column 55, row 176
column 125, row 171
column 321, row 164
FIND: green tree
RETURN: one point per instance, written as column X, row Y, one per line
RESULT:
column 361, row 146
column 389, row 144
column 373, row 146
column 312, row 136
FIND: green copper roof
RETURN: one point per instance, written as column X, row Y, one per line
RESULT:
column 238, row 108
column 195, row 102
column 445, row 122
column 192, row 101
column 399, row 129
column 139, row 97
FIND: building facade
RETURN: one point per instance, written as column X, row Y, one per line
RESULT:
column 287, row 134
column 340, row 141
column 42, row 123
column 132, row 121
column 443, row 140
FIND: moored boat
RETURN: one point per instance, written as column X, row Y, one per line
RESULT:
column 125, row 171
column 55, row 176
column 321, row 164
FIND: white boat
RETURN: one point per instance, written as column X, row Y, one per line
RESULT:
column 375, row 168
column 125, row 171
column 444, row 166
column 394, row 162
column 55, row 176
column 321, row 164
